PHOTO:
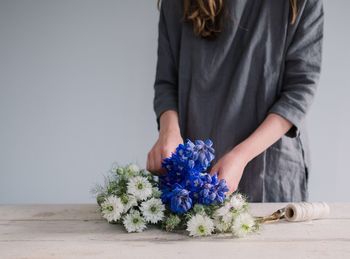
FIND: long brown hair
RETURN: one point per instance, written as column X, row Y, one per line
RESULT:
column 207, row 16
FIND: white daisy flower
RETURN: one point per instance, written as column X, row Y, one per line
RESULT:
column 112, row 208
column 128, row 201
column 200, row 225
column 140, row 187
column 134, row 222
column 237, row 201
column 153, row 210
column 243, row 224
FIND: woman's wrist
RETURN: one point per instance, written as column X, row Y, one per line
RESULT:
column 169, row 123
column 242, row 152
column 270, row 130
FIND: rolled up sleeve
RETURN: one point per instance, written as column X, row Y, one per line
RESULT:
column 166, row 80
column 302, row 66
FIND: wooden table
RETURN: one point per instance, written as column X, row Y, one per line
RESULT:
column 71, row 231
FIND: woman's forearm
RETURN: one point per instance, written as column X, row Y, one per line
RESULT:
column 169, row 122
column 269, row 131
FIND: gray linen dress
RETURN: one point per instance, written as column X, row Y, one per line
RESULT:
column 224, row 89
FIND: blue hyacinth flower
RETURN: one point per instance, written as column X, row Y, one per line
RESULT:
column 180, row 200
column 186, row 181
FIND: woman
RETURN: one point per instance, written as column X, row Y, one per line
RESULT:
column 244, row 74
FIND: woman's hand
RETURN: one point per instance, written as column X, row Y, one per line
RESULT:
column 230, row 167
column 168, row 140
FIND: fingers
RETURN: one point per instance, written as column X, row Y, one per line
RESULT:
column 157, row 161
column 166, row 153
column 154, row 162
column 162, row 156
column 215, row 169
column 147, row 162
column 222, row 174
column 157, row 156
column 232, row 186
column 150, row 161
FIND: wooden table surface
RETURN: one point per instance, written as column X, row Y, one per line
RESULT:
column 73, row 231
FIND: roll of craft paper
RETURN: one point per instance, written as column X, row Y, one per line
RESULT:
column 304, row 211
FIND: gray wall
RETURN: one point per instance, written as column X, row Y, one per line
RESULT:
column 76, row 88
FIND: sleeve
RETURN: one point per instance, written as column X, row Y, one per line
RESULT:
column 302, row 66
column 165, row 85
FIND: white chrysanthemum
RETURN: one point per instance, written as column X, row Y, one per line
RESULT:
column 128, row 201
column 237, row 201
column 134, row 222
column 140, row 187
column 153, row 210
column 243, row 224
column 200, row 225
column 112, row 208
column 133, row 168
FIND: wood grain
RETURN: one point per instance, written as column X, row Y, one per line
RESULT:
column 77, row 230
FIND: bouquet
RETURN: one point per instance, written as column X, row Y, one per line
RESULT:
column 186, row 197
column 130, row 196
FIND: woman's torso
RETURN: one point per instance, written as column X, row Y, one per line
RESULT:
column 226, row 87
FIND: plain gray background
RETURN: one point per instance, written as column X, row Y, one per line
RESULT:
column 76, row 89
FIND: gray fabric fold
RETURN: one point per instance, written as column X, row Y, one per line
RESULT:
column 224, row 89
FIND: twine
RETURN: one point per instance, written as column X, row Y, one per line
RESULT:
column 304, row 211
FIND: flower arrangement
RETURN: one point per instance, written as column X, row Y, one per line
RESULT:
column 186, row 197
column 130, row 196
